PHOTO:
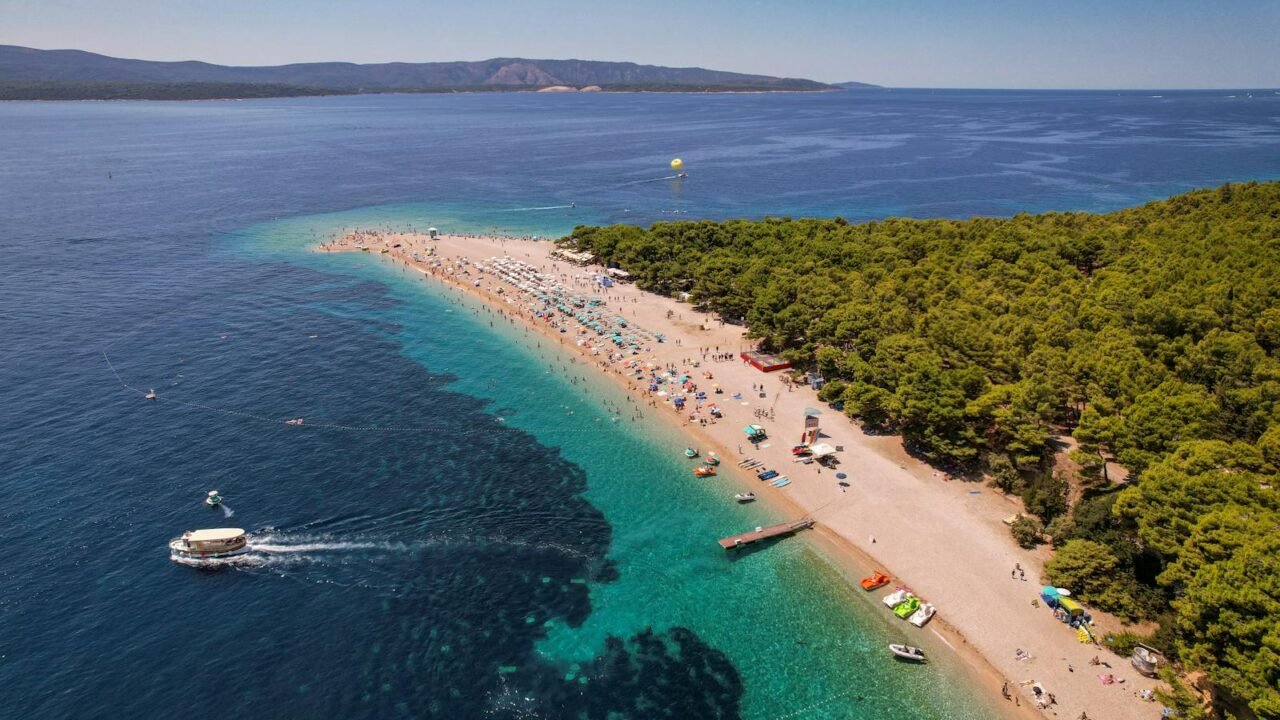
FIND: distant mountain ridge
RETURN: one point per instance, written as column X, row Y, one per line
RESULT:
column 21, row 65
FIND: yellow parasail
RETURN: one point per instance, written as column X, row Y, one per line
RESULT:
column 677, row 164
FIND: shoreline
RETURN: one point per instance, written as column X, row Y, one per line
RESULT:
column 940, row 577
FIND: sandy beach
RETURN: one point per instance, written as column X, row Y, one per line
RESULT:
column 943, row 538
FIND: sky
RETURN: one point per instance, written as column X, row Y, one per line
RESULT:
column 906, row 43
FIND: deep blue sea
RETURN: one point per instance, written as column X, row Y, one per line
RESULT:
column 478, row 538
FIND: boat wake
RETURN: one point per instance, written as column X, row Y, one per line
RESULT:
column 545, row 207
column 273, row 548
column 647, row 180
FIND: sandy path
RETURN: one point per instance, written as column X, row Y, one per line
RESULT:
column 944, row 539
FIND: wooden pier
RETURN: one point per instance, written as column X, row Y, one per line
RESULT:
column 755, row 536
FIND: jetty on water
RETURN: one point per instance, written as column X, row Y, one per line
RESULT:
column 764, row 533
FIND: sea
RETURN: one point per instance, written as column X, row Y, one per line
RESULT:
column 468, row 524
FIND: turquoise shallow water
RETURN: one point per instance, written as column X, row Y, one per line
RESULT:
column 477, row 539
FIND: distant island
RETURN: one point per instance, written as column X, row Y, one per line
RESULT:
column 32, row 74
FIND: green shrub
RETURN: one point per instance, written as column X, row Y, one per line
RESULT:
column 1027, row 531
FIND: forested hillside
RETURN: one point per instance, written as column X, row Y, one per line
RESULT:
column 1151, row 334
column 68, row 71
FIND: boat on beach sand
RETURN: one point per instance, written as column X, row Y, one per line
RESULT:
column 908, row 607
column 922, row 615
column 875, row 580
column 896, row 597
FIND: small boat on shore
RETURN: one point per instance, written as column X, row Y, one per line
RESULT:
column 895, row 598
column 923, row 615
column 151, row 394
column 875, row 580
column 907, row 608
column 745, row 497
column 213, row 499
column 767, row 474
column 691, row 452
column 210, row 544
column 907, row 652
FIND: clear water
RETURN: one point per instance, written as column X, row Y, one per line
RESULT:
column 497, row 546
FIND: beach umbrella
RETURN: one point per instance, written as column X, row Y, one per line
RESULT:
column 841, row 476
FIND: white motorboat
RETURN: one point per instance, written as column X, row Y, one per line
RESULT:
column 906, row 652
column 896, row 597
column 922, row 615
column 745, row 497
column 210, row 544
column 295, row 421
column 151, row 394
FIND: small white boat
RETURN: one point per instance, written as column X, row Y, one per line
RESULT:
column 211, row 544
column 295, row 421
column 906, row 652
column 213, row 499
column 745, row 497
column 922, row 616
column 896, row 597
column 151, row 394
